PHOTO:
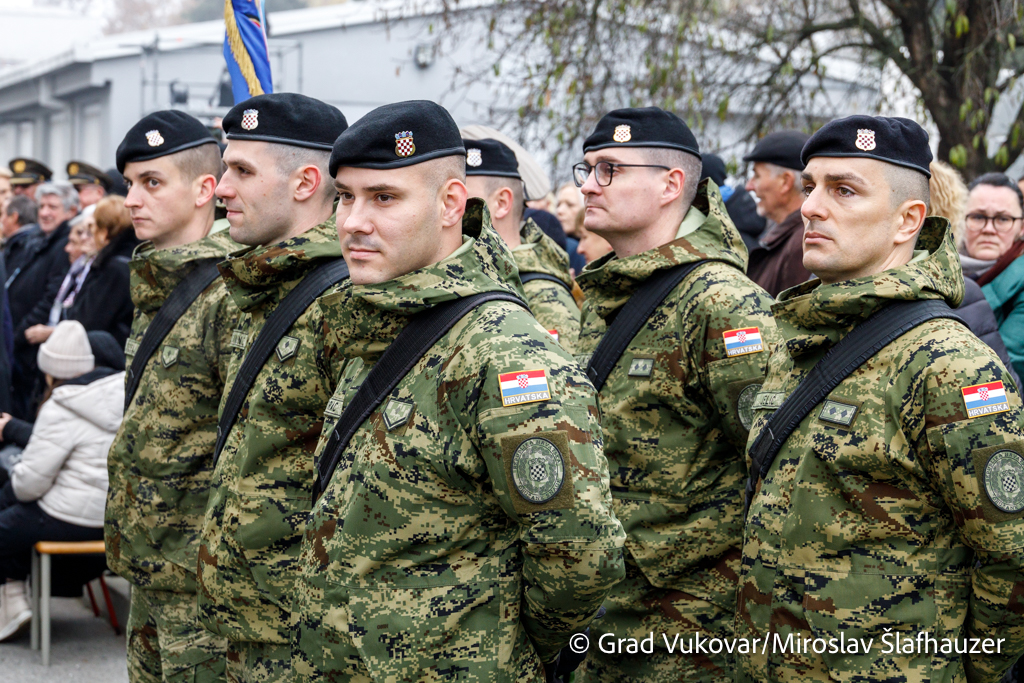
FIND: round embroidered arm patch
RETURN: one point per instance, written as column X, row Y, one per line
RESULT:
column 1004, row 481
column 537, row 470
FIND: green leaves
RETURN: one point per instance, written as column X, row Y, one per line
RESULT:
column 958, row 156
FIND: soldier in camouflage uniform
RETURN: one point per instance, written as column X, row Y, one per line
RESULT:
column 161, row 460
column 492, row 173
column 893, row 513
column 675, row 408
column 467, row 531
column 279, row 199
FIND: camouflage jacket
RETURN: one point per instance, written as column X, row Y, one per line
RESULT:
column 160, row 462
column 552, row 304
column 876, row 520
column 675, row 408
column 248, row 562
column 480, row 574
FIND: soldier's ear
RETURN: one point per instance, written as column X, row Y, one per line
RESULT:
column 205, row 186
column 909, row 219
column 453, row 198
column 675, row 182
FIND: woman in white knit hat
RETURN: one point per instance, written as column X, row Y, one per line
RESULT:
column 58, row 490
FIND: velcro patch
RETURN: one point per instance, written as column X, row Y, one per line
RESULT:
column 768, row 400
column 985, row 399
column 553, row 333
column 286, row 348
column 838, row 413
column 641, row 367
column 169, row 356
column 1000, row 474
column 131, row 347
column 396, row 413
column 538, row 471
column 524, row 386
column 742, row 341
column 238, row 339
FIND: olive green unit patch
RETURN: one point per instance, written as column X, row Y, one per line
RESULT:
column 745, row 405
column 286, row 348
column 768, row 400
column 396, row 413
column 239, row 339
column 169, row 356
column 334, row 408
column 641, row 367
column 838, row 413
column 1004, row 481
column 131, row 347
column 538, row 471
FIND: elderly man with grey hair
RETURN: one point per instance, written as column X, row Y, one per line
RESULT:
column 778, row 264
column 34, row 275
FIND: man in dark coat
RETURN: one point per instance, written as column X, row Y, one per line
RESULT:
column 778, row 263
column 35, row 272
column 741, row 206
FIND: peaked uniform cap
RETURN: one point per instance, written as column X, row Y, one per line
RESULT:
column 893, row 140
column 81, row 173
column 489, row 157
column 285, row 118
column 646, row 127
column 159, row 134
column 28, row 171
column 398, row 135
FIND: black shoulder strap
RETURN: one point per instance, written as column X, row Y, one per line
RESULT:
column 422, row 332
column 181, row 297
column 278, row 322
column 530, row 276
column 861, row 343
column 632, row 316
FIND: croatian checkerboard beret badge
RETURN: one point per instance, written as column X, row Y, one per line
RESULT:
column 473, row 157
column 404, row 146
column 622, row 134
column 250, row 119
column 154, row 138
column 865, row 139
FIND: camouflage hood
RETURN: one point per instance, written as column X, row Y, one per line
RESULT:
column 812, row 316
column 365, row 319
column 610, row 281
column 540, row 254
column 256, row 273
column 156, row 272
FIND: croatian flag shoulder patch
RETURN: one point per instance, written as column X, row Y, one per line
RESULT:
column 524, row 386
column 741, row 342
column 985, row 399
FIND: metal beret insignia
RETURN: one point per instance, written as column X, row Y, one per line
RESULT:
column 865, row 139
column 622, row 133
column 404, row 146
column 250, row 118
column 473, row 157
column 154, row 138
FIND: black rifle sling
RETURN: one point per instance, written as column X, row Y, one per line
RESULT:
column 633, row 316
column 182, row 296
column 412, row 343
column 530, row 276
column 860, row 344
column 278, row 322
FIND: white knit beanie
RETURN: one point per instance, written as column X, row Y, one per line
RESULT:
column 66, row 354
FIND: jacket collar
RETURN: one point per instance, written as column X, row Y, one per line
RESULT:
column 538, row 253
column 156, row 272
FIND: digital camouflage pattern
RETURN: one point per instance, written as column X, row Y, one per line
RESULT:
column 248, row 561
column 422, row 561
column 551, row 304
column 160, row 463
column 675, row 414
column 167, row 644
column 874, row 519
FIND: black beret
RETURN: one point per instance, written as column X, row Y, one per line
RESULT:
column 647, row 127
column 781, row 148
column 159, row 134
column 398, row 135
column 81, row 173
column 28, row 171
column 890, row 139
column 712, row 166
column 490, row 158
column 286, row 118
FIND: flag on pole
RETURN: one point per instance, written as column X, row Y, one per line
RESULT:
column 245, row 48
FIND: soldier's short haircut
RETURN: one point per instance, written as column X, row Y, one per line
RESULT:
column 441, row 170
column 24, row 207
column 907, row 185
column 199, row 161
column 675, row 158
column 290, row 158
column 495, row 183
column 999, row 180
column 58, row 188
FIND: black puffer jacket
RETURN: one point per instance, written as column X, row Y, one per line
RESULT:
column 105, row 302
column 979, row 317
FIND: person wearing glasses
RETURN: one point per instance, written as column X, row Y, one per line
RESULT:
column 677, row 405
column 994, row 223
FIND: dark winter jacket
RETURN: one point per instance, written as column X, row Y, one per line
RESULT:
column 104, row 301
column 743, row 211
column 35, row 270
column 778, row 263
column 977, row 313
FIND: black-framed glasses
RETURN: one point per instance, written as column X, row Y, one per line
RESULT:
column 976, row 222
column 604, row 170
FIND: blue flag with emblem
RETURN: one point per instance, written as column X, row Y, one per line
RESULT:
column 245, row 48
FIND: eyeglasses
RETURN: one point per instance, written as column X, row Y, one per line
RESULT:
column 604, row 170
column 976, row 222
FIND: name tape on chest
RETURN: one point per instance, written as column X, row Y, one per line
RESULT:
column 131, row 347
column 524, row 386
column 743, row 341
column 985, row 399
